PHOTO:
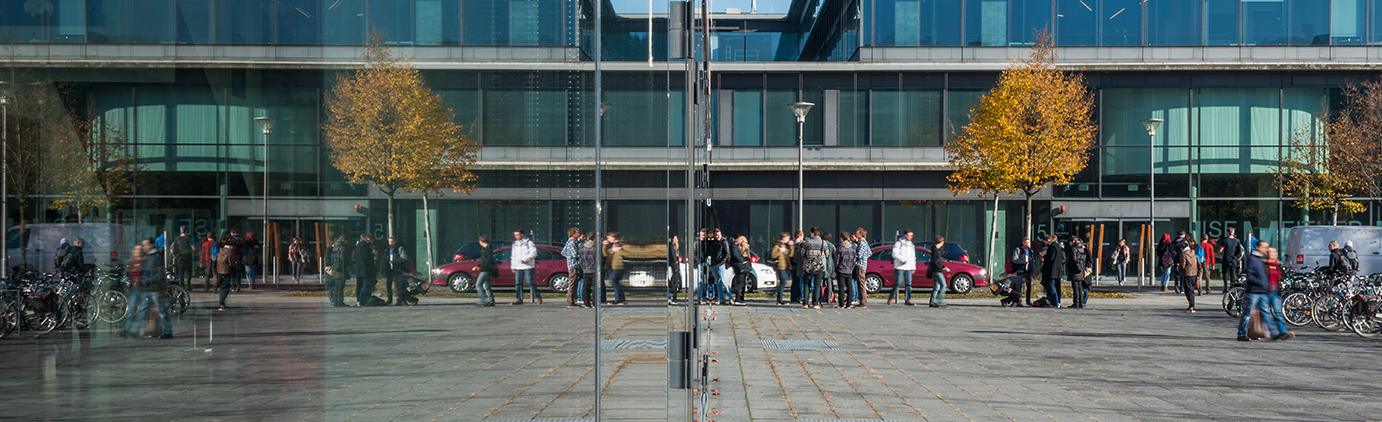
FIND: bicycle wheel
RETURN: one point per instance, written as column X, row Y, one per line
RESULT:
column 1327, row 312
column 78, row 310
column 177, row 300
column 114, row 306
column 47, row 321
column 9, row 318
column 1296, row 306
column 1366, row 325
column 1233, row 302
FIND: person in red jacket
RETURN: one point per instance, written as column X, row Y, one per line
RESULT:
column 208, row 258
column 1206, row 261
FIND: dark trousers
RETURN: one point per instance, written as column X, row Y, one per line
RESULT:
column 740, row 281
column 364, row 288
column 1052, row 288
column 1231, row 275
column 224, row 284
column 1027, row 285
column 1080, row 295
column 209, row 272
column 182, row 275
column 796, row 288
column 588, row 281
column 401, row 282
column 862, row 288
column 390, row 278
column 843, row 284
column 1187, row 285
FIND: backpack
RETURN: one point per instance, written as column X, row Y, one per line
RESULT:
column 1168, row 259
column 1351, row 256
column 815, row 257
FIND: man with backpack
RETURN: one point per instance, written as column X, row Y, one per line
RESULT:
column 1339, row 263
column 1078, row 266
column 398, row 263
column 814, row 265
column 1022, row 262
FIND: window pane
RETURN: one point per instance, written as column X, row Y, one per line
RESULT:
column 637, row 118
column 344, row 23
column 1120, row 22
column 854, row 118
column 1221, row 22
column 957, row 107
column 906, row 118
column 986, row 22
column 1077, row 22
column 1028, row 17
column 524, row 109
column 22, row 25
column 748, row 118
column 194, row 21
column 1264, row 23
column 243, row 22
column 780, row 122
column 514, row 22
column 1238, row 116
column 1347, row 21
column 1302, row 105
column 1124, row 110
column 299, row 22
column 1237, row 160
column 1173, row 22
column 1309, row 22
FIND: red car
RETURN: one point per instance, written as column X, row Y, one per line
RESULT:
column 550, row 272
column 879, row 275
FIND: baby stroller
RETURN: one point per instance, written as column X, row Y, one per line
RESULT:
column 410, row 289
column 1010, row 288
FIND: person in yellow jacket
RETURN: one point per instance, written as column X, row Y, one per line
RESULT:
column 782, row 253
column 613, row 252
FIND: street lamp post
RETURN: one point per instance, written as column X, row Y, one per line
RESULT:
column 800, row 108
column 1151, row 125
column 5, row 177
column 266, row 123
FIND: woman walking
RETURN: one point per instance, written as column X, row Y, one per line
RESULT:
column 486, row 270
column 227, row 265
column 295, row 253
column 739, row 258
column 1188, row 266
column 782, row 253
column 1121, row 255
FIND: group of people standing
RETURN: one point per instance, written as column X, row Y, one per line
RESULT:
column 1051, row 262
column 366, row 260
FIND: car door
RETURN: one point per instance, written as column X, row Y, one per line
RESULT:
column 548, row 262
column 501, row 260
column 881, row 263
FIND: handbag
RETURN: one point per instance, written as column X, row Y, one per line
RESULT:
column 1257, row 326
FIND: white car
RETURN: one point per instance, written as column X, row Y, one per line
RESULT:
column 762, row 279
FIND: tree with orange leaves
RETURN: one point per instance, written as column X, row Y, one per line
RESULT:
column 384, row 127
column 1033, row 129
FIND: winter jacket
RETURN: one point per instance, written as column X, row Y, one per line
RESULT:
column 937, row 262
column 1188, row 264
column 523, row 254
column 586, row 254
column 1163, row 248
column 1023, row 260
column 397, row 259
column 1256, row 274
column 336, row 260
column 716, row 251
column 207, row 255
column 487, row 264
column 249, row 252
column 1053, row 262
column 1076, row 260
column 799, row 259
column 782, row 252
column 1121, row 254
column 829, row 256
column 570, row 251
column 363, row 260
column 154, row 270
column 844, row 257
column 904, row 255
column 737, row 254
column 810, row 245
column 614, row 256
column 228, row 259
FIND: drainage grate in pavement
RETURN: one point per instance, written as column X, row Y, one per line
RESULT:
column 633, row 344
column 771, row 310
column 633, row 311
column 801, row 344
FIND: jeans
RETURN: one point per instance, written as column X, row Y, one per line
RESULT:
column 811, row 293
column 364, row 288
column 482, row 287
column 249, row 275
column 783, row 276
column 903, row 277
column 1278, row 311
column 1262, row 302
column 183, row 275
column 588, row 281
column 390, row 278
column 524, row 276
column 844, row 283
column 1165, row 276
column 1080, row 295
column 297, row 270
column 1052, row 295
column 335, row 290
column 1122, row 268
column 796, row 288
column 616, row 278
column 140, row 300
column 717, row 283
column 938, row 287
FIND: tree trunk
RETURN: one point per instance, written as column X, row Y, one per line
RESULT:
column 390, row 193
column 427, row 234
column 1029, row 211
column 993, row 235
column 79, row 214
column 1334, row 216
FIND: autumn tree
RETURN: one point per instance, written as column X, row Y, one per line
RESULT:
column 1355, row 137
column 1032, row 130
column 385, row 128
column 90, row 163
column 1312, row 170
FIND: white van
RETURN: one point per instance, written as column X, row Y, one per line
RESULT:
column 105, row 244
column 1308, row 246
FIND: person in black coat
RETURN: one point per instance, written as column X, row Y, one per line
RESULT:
column 364, row 268
column 1052, row 269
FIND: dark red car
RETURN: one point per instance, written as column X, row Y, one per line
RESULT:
column 550, row 272
column 879, row 274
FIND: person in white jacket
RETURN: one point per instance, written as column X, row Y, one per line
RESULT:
column 904, row 263
column 522, row 260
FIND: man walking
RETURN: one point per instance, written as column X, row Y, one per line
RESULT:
column 904, row 263
column 1258, row 290
column 183, row 249
column 1231, row 249
column 485, row 271
column 1205, row 251
column 1052, row 268
column 523, row 259
column 861, row 262
column 1188, row 267
column 936, row 269
column 208, row 259
column 363, row 259
column 227, row 268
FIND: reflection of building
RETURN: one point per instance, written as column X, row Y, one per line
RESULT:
column 891, row 78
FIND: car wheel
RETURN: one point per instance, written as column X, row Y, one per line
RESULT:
column 559, row 283
column 461, row 283
column 961, row 283
column 873, row 283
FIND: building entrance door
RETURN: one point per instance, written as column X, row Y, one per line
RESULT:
column 316, row 235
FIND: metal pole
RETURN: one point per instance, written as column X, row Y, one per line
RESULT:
column 801, row 184
column 599, row 139
column 1151, row 211
column 5, row 182
column 264, row 236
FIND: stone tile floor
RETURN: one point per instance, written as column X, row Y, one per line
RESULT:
column 274, row 357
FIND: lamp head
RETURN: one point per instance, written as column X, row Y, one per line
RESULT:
column 800, row 109
column 1151, row 125
column 267, row 123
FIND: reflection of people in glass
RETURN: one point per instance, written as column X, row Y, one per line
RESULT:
column 336, row 272
column 149, row 283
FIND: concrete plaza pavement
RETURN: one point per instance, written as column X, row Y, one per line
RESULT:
column 278, row 357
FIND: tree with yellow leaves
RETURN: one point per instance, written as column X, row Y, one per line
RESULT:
column 1312, row 170
column 89, row 159
column 1032, row 130
column 384, row 127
